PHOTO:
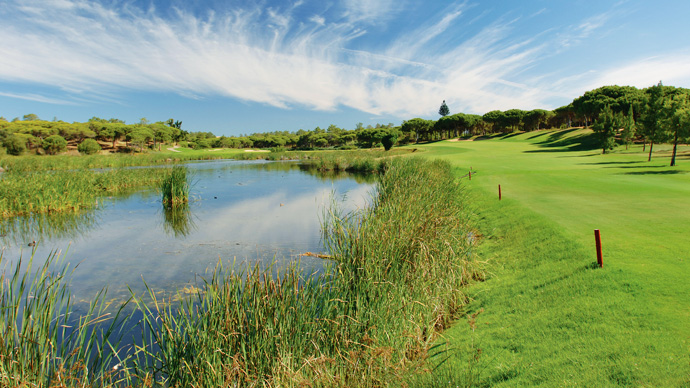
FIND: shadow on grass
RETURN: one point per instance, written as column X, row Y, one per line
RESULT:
column 429, row 141
column 593, row 265
column 537, row 135
column 635, row 166
column 484, row 137
column 669, row 172
column 560, row 142
column 599, row 163
column 509, row 135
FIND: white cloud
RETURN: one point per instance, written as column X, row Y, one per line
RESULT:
column 318, row 19
column 38, row 98
column 671, row 69
column 370, row 11
column 269, row 56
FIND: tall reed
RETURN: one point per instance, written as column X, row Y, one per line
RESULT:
column 175, row 187
column 42, row 343
column 23, row 193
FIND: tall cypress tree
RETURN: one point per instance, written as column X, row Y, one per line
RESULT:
column 443, row 110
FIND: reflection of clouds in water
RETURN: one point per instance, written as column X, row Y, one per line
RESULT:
column 278, row 217
column 246, row 223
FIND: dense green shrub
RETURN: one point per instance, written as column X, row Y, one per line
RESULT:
column 54, row 144
column 200, row 144
column 89, row 147
column 389, row 140
column 14, row 145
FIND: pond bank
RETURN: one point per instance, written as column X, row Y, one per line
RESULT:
column 399, row 276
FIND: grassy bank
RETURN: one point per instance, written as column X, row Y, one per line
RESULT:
column 23, row 193
column 332, row 159
column 397, row 276
column 546, row 317
column 49, row 184
column 33, row 163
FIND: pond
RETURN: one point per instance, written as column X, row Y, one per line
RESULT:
column 240, row 213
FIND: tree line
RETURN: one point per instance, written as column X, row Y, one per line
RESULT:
column 51, row 137
column 657, row 114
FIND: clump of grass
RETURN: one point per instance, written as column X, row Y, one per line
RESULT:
column 175, row 187
column 42, row 343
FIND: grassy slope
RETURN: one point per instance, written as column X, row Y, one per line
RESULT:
column 549, row 318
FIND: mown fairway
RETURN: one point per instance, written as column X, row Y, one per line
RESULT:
column 549, row 317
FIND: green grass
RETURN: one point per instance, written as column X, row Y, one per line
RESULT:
column 42, row 343
column 546, row 317
column 175, row 187
column 24, row 193
column 32, row 163
column 75, row 162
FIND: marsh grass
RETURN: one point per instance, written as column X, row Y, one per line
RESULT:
column 175, row 186
column 42, row 343
column 33, row 163
column 23, row 193
column 62, row 183
column 30, row 163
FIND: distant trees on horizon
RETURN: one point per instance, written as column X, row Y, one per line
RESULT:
column 654, row 115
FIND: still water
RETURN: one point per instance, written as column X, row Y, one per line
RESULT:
column 240, row 213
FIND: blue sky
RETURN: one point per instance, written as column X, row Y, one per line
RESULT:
column 235, row 67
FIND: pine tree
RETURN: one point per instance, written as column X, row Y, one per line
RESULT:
column 443, row 110
column 606, row 128
column 628, row 128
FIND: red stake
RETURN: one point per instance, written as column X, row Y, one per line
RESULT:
column 499, row 192
column 470, row 175
column 597, row 239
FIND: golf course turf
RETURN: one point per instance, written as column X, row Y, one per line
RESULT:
column 547, row 315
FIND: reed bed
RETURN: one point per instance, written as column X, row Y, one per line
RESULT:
column 396, row 278
column 29, row 163
column 42, row 343
column 23, row 193
column 33, row 163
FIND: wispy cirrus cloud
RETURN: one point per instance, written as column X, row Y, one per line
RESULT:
column 270, row 56
column 368, row 11
column 38, row 98
column 671, row 69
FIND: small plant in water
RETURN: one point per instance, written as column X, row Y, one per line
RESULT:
column 175, row 187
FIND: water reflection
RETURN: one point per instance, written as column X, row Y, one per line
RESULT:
column 242, row 214
column 22, row 231
column 313, row 170
column 178, row 220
